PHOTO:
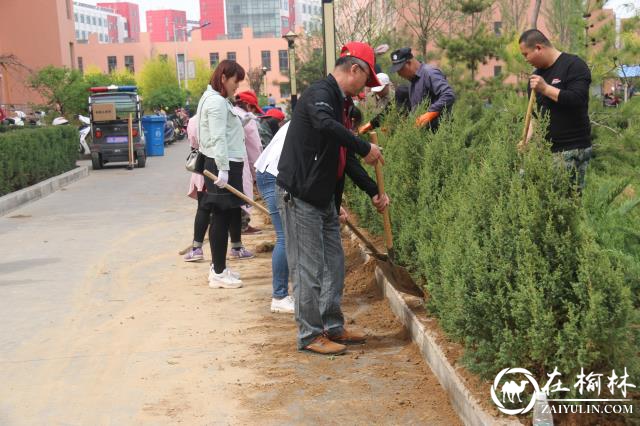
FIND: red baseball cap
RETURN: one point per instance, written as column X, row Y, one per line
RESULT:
column 275, row 113
column 364, row 52
column 250, row 98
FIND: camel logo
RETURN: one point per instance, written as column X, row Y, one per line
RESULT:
column 512, row 390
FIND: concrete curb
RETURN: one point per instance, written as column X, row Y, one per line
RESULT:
column 464, row 403
column 24, row 196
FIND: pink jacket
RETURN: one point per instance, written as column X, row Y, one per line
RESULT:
column 254, row 149
column 196, row 184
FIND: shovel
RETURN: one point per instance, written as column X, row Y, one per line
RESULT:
column 400, row 275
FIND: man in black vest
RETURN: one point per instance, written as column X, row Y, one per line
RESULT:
column 319, row 150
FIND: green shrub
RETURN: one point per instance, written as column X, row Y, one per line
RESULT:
column 518, row 267
column 29, row 156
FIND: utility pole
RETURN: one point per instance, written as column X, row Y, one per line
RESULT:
column 329, row 35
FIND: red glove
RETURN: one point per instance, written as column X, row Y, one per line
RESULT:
column 426, row 118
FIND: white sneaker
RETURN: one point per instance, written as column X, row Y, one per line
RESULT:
column 224, row 280
column 234, row 274
column 283, row 306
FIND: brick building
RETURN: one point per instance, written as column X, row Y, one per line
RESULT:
column 131, row 13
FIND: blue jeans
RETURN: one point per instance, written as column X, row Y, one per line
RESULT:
column 280, row 269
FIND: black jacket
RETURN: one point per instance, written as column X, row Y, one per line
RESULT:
column 308, row 166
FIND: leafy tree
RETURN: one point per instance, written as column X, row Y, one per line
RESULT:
column 95, row 77
column 309, row 62
column 564, row 19
column 158, row 84
column 473, row 45
column 64, row 90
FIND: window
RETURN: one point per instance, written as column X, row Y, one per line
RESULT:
column 285, row 5
column 231, row 56
column 128, row 64
column 84, row 35
column 77, row 35
column 497, row 28
column 94, row 20
column 112, row 63
column 75, row 16
column 285, row 22
column 497, row 70
column 283, row 60
column 304, row 8
column 80, row 64
column 82, row 19
column 214, row 59
column 266, row 59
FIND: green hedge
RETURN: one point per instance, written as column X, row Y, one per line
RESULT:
column 518, row 267
column 29, row 156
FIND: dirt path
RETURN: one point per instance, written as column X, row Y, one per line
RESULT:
column 143, row 340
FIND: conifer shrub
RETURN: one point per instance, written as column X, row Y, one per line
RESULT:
column 517, row 265
column 28, row 156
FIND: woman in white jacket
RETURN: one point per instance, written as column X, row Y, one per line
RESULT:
column 221, row 139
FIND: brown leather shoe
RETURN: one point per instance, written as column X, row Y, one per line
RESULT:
column 323, row 346
column 349, row 337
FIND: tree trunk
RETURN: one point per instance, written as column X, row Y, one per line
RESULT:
column 533, row 23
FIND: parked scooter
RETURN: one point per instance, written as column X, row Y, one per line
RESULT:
column 169, row 133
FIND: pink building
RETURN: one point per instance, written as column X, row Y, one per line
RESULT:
column 131, row 13
column 212, row 11
column 167, row 25
column 249, row 51
column 36, row 40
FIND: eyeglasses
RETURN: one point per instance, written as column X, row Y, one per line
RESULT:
column 366, row 72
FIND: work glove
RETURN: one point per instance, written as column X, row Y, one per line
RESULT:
column 426, row 118
column 365, row 128
column 223, row 178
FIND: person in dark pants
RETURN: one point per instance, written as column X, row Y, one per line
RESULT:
column 427, row 82
column 561, row 82
column 221, row 138
column 319, row 150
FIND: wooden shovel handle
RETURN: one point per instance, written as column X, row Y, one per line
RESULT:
column 527, row 118
column 237, row 193
column 388, row 236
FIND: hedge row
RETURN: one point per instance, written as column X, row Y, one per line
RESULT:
column 29, row 156
column 517, row 266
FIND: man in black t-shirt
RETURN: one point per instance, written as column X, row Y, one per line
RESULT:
column 561, row 82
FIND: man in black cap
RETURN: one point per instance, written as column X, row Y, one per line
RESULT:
column 426, row 82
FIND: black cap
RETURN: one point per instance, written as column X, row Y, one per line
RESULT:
column 399, row 57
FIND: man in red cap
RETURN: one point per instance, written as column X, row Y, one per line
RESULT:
column 319, row 151
column 270, row 123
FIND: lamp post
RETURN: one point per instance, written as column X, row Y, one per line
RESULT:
column 186, row 52
column 291, row 40
column 264, row 79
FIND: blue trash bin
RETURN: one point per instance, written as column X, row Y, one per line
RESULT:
column 153, row 127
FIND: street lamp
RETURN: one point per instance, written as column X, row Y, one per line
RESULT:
column 186, row 52
column 291, row 41
column 264, row 79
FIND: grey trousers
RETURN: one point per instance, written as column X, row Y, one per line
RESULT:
column 316, row 261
